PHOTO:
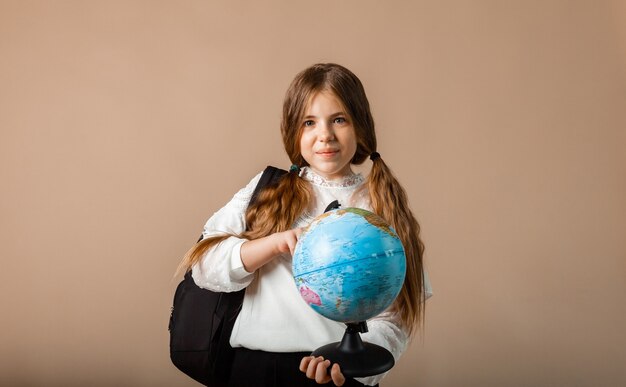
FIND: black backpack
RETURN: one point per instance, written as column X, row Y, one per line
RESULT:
column 201, row 321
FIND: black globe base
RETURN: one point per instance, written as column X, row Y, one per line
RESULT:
column 356, row 358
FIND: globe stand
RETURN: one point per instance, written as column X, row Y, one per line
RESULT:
column 356, row 358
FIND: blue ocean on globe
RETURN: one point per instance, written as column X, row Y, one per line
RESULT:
column 349, row 265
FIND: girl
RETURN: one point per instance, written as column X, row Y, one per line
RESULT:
column 326, row 127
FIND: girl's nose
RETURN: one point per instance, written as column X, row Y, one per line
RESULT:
column 326, row 133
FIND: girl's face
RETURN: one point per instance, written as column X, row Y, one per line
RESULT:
column 328, row 141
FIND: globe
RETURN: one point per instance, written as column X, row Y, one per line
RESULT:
column 349, row 265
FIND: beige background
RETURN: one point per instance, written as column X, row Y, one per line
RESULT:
column 125, row 124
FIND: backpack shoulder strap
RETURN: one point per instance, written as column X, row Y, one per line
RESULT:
column 270, row 175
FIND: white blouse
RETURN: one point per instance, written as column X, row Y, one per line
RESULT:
column 274, row 317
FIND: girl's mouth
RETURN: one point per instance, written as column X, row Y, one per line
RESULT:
column 327, row 152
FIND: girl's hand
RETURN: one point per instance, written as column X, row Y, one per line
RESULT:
column 258, row 252
column 317, row 368
column 286, row 240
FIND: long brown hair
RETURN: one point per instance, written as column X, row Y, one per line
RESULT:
column 278, row 206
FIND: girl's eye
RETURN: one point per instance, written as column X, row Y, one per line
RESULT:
column 340, row 120
column 309, row 123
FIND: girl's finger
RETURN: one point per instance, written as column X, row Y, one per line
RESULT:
column 311, row 369
column 292, row 246
column 321, row 372
column 304, row 363
column 337, row 376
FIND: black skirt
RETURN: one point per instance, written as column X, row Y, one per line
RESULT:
column 271, row 369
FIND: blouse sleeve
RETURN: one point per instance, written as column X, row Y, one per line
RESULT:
column 385, row 330
column 221, row 269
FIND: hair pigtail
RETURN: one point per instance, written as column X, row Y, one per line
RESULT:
column 389, row 200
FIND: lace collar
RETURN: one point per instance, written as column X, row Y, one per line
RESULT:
column 347, row 181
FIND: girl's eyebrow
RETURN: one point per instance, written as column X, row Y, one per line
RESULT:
column 331, row 116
